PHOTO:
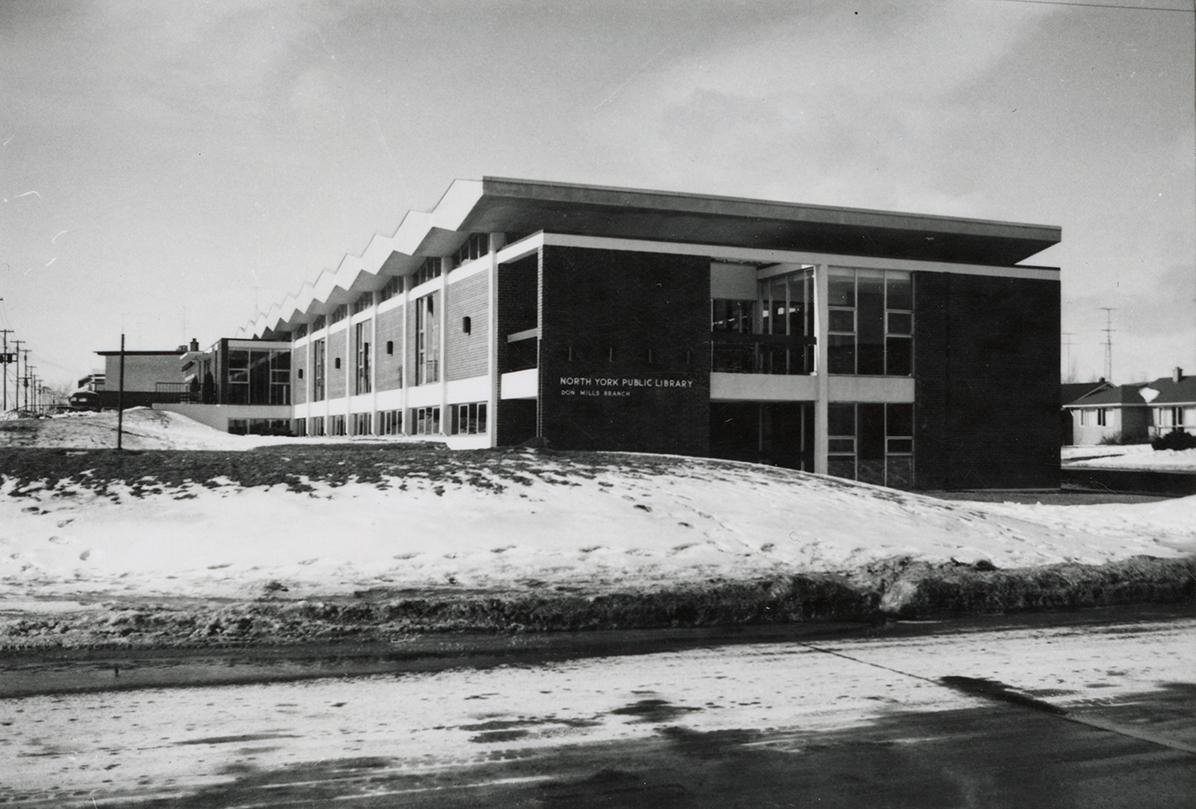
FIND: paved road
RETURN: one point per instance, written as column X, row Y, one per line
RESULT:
column 1087, row 715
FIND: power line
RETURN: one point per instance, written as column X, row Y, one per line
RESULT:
column 1096, row 5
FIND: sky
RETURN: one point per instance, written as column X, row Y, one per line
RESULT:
column 167, row 169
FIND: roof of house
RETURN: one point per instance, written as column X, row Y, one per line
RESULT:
column 1172, row 392
column 174, row 352
column 1169, row 391
column 1070, row 392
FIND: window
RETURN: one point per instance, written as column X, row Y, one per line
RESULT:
column 475, row 246
column 299, row 373
column 336, row 363
column 390, row 422
column 390, row 348
column 361, row 341
column 364, row 301
column 427, row 340
column 317, row 425
column 1101, row 417
column 467, row 325
column 299, row 427
column 362, row 424
column 300, row 330
column 771, row 334
column 872, row 443
column 317, row 370
column 426, row 420
column 870, row 322
column 319, row 323
column 339, row 314
column 427, row 271
column 336, row 425
column 469, row 419
column 394, row 286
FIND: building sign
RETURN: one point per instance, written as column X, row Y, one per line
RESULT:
column 619, row 387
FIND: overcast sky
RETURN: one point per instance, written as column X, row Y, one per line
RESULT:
column 168, row 167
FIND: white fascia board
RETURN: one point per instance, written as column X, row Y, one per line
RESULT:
column 411, row 232
column 732, row 253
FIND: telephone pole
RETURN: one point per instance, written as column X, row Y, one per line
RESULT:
column 4, row 363
column 1108, row 330
column 25, row 380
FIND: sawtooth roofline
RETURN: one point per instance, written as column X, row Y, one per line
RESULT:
column 497, row 204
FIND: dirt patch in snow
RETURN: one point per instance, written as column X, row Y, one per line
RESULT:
column 897, row 588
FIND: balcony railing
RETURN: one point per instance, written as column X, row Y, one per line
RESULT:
column 761, row 354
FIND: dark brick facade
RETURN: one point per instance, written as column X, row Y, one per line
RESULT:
column 631, row 334
column 986, row 367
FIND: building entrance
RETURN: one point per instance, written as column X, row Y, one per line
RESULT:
column 777, row 433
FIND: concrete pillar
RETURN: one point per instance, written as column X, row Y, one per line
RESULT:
column 821, row 366
column 374, row 427
column 408, row 364
column 497, row 240
column 446, row 264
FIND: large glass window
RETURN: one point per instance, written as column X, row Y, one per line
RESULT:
column 426, row 420
column 469, row 419
column 427, row 340
column 317, row 376
column 872, row 443
column 361, row 340
column 870, row 322
column 772, row 334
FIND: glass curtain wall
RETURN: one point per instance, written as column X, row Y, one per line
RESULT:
column 772, row 334
column 871, row 322
column 259, row 376
column 872, row 443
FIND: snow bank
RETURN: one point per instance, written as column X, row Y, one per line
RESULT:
column 618, row 527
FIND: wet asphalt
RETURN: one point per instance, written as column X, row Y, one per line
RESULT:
column 1090, row 710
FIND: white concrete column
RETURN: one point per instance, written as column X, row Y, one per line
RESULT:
column 497, row 240
column 446, row 264
column 821, row 368
column 374, row 427
column 408, row 365
column 328, row 369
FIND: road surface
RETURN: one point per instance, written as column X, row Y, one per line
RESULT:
column 1083, row 715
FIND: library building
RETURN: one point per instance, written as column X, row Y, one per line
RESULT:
column 908, row 350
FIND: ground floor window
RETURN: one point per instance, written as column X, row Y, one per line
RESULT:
column 317, row 425
column 872, row 443
column 299, row 427
column 1101, row 417
column 469, row 419
column 390, row 422
column 363, row 424
column 777, row 433
column 259, row 426
column 336, row 425
column 426, row 420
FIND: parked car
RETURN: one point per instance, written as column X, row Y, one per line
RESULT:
column 84, row 400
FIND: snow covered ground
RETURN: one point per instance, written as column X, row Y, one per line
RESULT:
column 1129, row 456
column 621, row 524
column 146, row 429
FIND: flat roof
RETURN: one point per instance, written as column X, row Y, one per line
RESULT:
column 514, row 205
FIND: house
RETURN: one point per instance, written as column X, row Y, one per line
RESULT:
column 149, row 377
column 1135, row 413
column 903, row 349
column 1069, row 392
column 1172, row 403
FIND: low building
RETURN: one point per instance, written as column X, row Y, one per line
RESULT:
column 1135, row 413
column 903, row 349
column 150, row 377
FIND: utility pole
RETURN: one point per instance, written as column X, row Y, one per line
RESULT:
column 1108, row 330
column 1067, row 335
column 16, row 394
column 120, row 396
column 25, row 386
column 4, row 363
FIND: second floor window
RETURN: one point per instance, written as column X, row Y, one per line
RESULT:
column 361, row 340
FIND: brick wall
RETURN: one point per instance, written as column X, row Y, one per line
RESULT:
column 337, row 347
column 986, row 365
column 390, row 366
column 518, row 310
column 466, row 354
column 299, row 386
column 599, row 301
